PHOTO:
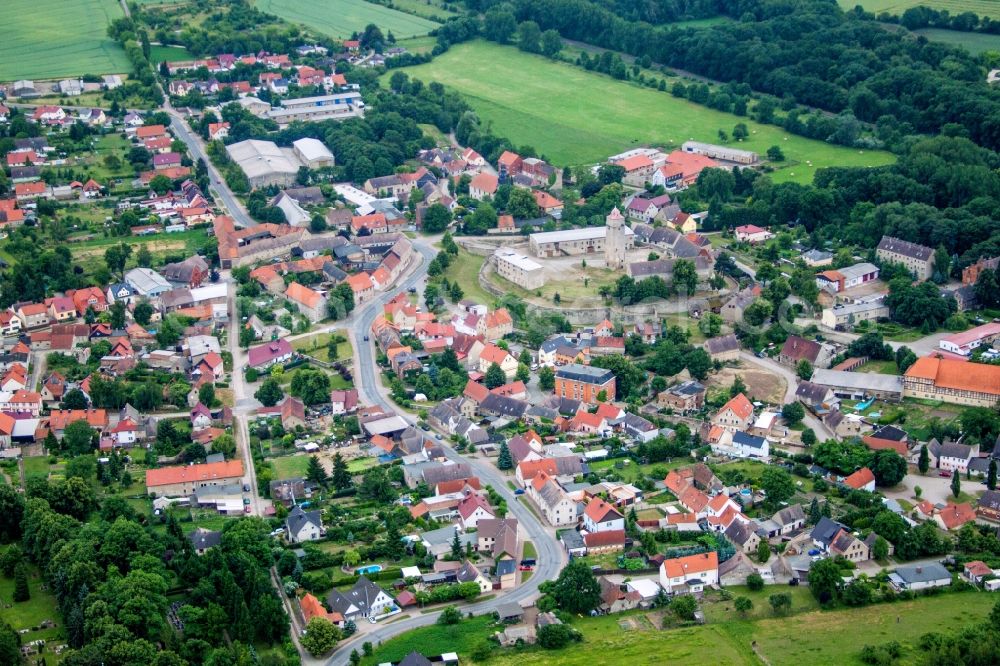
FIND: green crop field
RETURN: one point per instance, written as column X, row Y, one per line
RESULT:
column 46, row 39
column 340, row 18
column 574, row 117
column 974, row 42
column 897, row 7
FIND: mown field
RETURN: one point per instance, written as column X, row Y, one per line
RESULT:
column 897, row 7
column 804, row 636
column 340, row 18
column 159, row 54
column 973, row 42
column 575, row 117
column 44, row 39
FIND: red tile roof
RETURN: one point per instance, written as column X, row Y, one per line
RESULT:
column 193, row 473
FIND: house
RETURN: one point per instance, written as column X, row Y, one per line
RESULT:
column 364, row 600
column 310, row 302
column 344, row 401
column 724, row 348
column 497, row 537
column 473, row 508
column 469, row 573
column 202, row 539
column 184, row 480
column 685, row 397
column 988, row 507
column 599, row 516
column 743, row 535
column 201, row 417
column 617, row 597
column 751, row 233
column 304, row 525
column 953, row 516
column 918, row 259
column 556, row 505
column 863, row 479
column 976, row 572
column 798, row 349
column 735, row 415
column 585, row 383
column 740, row 444
column 266, row 355
column 492, row 354
column 916, row 577
column 147, row 282
column 483, row 185
column 955, row 457
column 689, row 574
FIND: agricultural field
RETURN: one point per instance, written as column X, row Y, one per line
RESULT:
column 46, row 39
column 576, row 117
column 341, row 18
column 973, row 42
column 954, row 7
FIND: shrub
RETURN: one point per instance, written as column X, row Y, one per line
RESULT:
column 755, row 582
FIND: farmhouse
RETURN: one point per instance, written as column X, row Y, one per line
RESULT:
column 959, row 382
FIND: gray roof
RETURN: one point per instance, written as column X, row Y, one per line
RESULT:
column 722, row 344
column 361, row 595
column 790, row 514
column 501, row 405
column 955, row 450
column 202, row 538
column 922, row 573
column 817, row 255
column 585, row 373
column 743, row 439
column 905, row 248
column 572, row 539
column 297, row 519
column 825, row 530
column 554, row 343
column 415, row 659
column 444, row 535
column 892, row 433
column 739, row 533
column 811, row 392
column 863, row 381
column 439, row 472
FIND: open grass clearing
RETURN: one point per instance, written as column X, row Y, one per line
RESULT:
column 433, row 640
column 158, row 54
column 290, row 467
column 880, row 367
column 973, row 42
column 464, row 268
column 574, row 117
column 341, row 18
column 45, row 39
column 316, row 346
column 433, row 10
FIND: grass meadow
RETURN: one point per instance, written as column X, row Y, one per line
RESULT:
column 576, row 117
column 46, row 39
column 897, row 7
column 340, row 18
column 973, row 42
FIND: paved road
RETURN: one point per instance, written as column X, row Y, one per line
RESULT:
column 550, row 555
column 791, row 383
column 220, row 190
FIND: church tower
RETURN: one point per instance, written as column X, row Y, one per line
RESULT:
column 614, row 244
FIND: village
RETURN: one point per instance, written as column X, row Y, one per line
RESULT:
column 445, row 388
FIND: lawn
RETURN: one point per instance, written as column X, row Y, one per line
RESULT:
column 316, row 346
column 290, row 467
column 90, row 253
column 881, row 367
column 341, row 18
column 897, row 7
column 974, row 42
column 433, row 640
column 36, row 466
column 434, row 11
column 169, row 54
column 574, row 117
column 464, row 268
column 45, row 39
column 27, row 614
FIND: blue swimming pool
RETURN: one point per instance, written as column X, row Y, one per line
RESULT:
column 370, row 569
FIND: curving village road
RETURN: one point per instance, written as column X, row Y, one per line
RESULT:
column 550, row 555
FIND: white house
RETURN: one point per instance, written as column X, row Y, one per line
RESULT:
column 690, row 574
column 472, row 509
column 304, row 525
column 742, row 445
column 599, row 516
column 920, row 577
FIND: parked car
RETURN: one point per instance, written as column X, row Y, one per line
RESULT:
column 944, row 473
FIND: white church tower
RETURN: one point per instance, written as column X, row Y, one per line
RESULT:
column 614, row 244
